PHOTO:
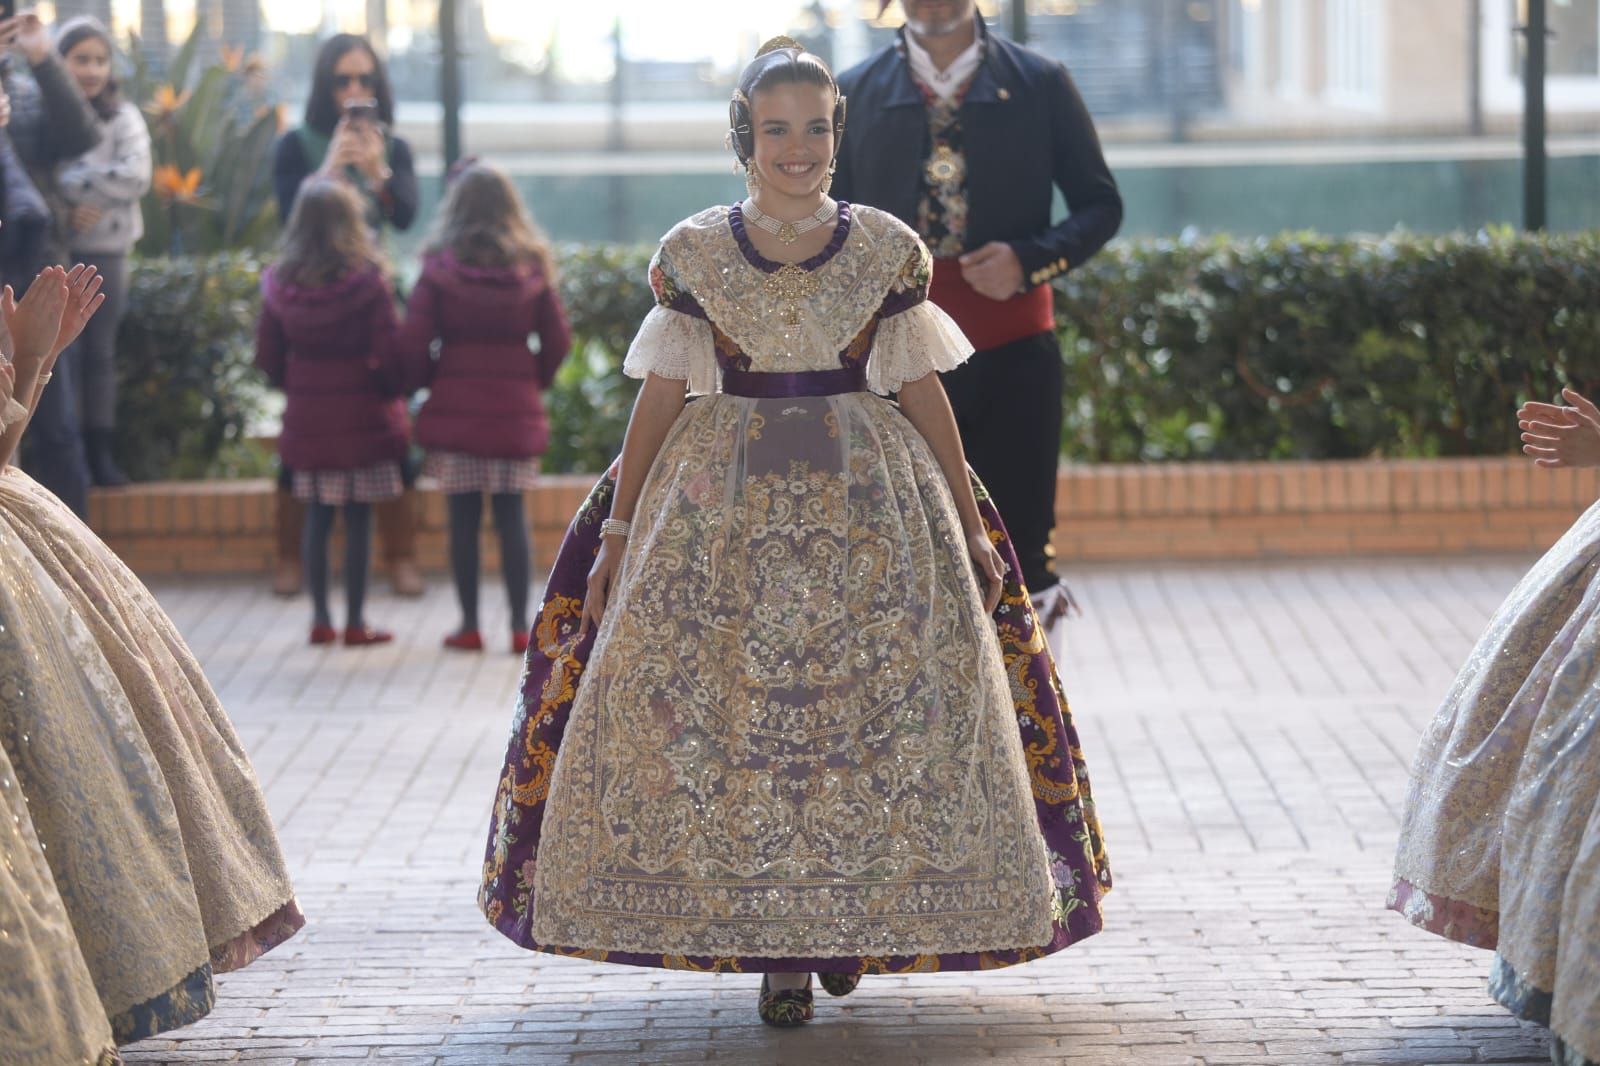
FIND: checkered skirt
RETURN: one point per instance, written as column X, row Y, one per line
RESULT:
column 458, row 472
column 365, row 484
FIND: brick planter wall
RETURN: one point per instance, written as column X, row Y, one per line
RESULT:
column 1126, row 512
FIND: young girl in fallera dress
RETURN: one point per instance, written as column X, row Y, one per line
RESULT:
column 1500, row 837
column 786, row 711
column 137, row 858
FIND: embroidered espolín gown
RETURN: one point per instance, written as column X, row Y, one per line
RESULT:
column 148, row 812
column 1500, row 838
column 796, row 742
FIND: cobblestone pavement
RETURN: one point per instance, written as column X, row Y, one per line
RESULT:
column 1249, row 729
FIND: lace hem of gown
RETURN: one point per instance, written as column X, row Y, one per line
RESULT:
column 671, row 344
column 913, row 344
column 12, row 413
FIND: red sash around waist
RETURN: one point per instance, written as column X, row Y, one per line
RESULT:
column 990, row 323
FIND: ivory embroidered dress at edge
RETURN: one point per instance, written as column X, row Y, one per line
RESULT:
column 139, row 857
column 1500, row 838
column 796, row 743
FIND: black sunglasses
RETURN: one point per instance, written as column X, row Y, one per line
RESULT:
column 344, row 81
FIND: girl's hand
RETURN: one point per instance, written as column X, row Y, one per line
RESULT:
column 1561, row 436
column 602, row 576
column 35, row 321
column 991, row 568
column 83, row 300
column 83, row 218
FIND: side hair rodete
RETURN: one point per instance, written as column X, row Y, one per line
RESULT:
column 781, row 61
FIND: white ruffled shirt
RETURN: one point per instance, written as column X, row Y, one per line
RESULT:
column 943, row 83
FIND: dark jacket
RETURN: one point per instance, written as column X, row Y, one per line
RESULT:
column 395, row 204
column 26, row 234
column 331, row 348
column 1026, row 132
column 51, row 123
column 486, row 381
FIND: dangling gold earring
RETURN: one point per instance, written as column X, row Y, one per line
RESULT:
column 752, row 180
column 827, row 179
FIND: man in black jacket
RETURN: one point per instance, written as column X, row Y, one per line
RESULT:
column 965, row 137
column 50, row 123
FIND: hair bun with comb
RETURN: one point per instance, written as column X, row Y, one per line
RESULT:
column 777, row 43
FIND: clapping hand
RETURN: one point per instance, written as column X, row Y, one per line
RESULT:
column 1561, row 436
column 35, row 320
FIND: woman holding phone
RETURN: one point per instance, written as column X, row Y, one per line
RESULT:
column 348, row 134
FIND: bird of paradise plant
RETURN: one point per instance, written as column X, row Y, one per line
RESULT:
column 211, row 135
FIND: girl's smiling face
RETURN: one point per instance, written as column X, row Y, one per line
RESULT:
column 792, row 126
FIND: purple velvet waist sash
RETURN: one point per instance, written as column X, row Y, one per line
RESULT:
column 755, row 385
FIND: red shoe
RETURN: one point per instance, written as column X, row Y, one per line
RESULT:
column 324, row 634
column 358, row 636
column 519, row 642
column 465, row 640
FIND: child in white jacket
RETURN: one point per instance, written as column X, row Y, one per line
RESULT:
column 103, row 188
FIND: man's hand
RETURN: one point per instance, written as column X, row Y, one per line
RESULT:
column 993, row 270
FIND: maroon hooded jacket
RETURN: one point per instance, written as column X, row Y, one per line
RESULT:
column 486, row 381
column 332, row 349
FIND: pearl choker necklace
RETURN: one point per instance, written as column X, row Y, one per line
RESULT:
column 789, row 232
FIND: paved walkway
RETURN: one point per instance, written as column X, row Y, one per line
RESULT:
column 1249, row 729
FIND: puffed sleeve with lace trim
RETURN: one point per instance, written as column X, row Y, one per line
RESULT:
column 675, row 340
column 914, row 337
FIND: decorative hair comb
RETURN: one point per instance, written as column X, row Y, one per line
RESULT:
column 777, row 43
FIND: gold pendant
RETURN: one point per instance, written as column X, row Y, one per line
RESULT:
column 787, row 233
column 944, row 167
column 791, row 286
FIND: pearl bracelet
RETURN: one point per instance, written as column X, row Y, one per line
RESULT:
column 615, row 527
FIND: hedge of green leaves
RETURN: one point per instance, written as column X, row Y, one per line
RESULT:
column 1301, row 346
column 189, row 391
column 1305, row 346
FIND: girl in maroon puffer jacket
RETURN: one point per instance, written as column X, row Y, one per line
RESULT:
column 327, row 337
column 487, row 287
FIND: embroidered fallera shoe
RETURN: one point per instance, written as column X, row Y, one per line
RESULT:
column 785, row 1008
column 465, row 640
column 838, row 984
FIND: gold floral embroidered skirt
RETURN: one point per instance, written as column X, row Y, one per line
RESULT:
column 798, row 741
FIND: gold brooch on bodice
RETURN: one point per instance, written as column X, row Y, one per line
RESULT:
column 791, row 287
column 945, row 167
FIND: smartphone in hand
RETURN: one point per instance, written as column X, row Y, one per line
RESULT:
column 360, row 110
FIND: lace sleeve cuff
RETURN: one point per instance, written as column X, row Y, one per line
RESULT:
column 671, row 344
column 912, row 344
column 12, row 413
